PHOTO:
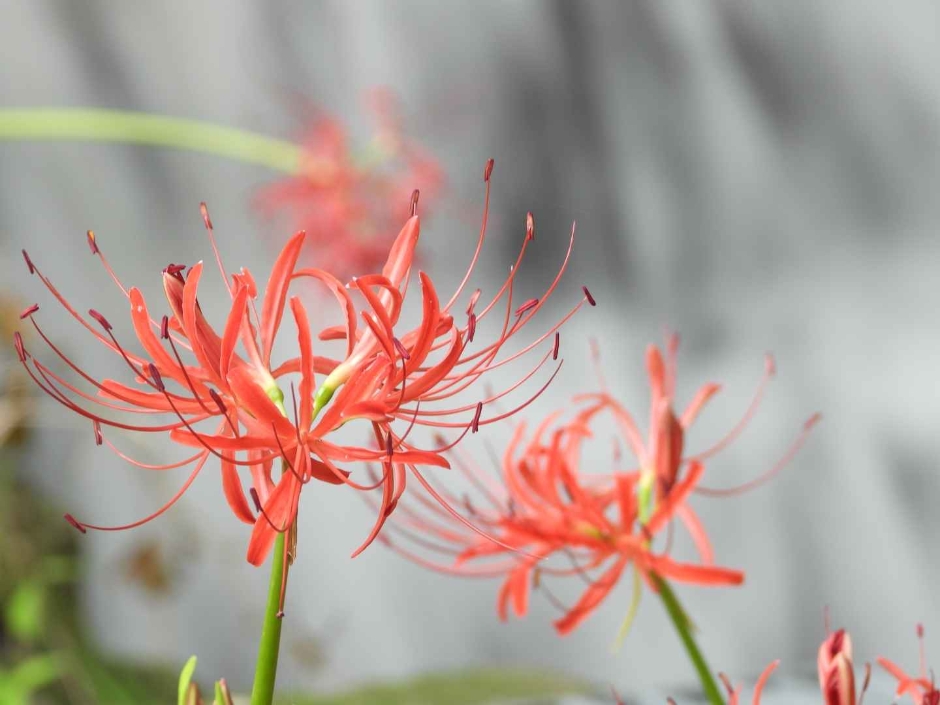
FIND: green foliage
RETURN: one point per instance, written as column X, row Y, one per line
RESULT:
column 18, row 684
column 44, row 655
column 25, row 611
column 477, row 687
column 186, row 677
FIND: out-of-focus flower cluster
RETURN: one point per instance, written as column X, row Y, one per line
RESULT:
column 351, row 199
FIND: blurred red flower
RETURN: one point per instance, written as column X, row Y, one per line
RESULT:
column 352, row 201
column 921, row 689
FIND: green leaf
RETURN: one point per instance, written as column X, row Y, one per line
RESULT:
column 26, row 611
column 186, row 675
column 18, row 684
column 458, row 688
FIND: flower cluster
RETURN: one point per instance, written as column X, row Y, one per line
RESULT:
column 837, row 676
column 545, row 505
column 215, row 391
column 351, row 201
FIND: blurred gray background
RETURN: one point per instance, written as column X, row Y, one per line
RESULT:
column 758, row 176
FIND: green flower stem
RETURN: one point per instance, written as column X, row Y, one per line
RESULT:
column 683, row 627
column 262, row 691
column 100, row 125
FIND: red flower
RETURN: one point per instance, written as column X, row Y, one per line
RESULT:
column 834, row 664
column 231, row 405
column 923, row 690
column 352, row 202
column 546, row 506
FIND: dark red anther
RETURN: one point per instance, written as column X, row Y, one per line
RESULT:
column 18, row 342
column 471, row 327
column 254, row 498
column 527, row 306
column 76, row 523
column 389, row 447
column 587, row 295
column 920, row 631
column 415, row 195
column 27, row 312
column 218, row 401
column 205, row 215
column 280, row 614
column 440, row 440
column 468, row 503
column 29, row 263
column 402, row 350
column 475, row 425
column 165, row 327
column 99, row 439
column 157, row 379
column 102, row 321
column 473, row 301
column 488, row 170
column 555, row 347
column 529, row 226
column 92, row 243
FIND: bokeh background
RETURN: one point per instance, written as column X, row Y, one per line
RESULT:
column 758, row 176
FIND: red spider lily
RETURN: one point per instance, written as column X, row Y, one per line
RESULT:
column 834, row 665
column 545, row 506
column 231, row 405
column 352, row 202
column 921, row 689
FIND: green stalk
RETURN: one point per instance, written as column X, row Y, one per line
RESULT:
column 682, row 624
column 262, row 691
column 101, row 125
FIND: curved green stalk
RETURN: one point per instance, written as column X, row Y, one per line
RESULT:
column 683, row 627
column 262, row 691
column 102, row 125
